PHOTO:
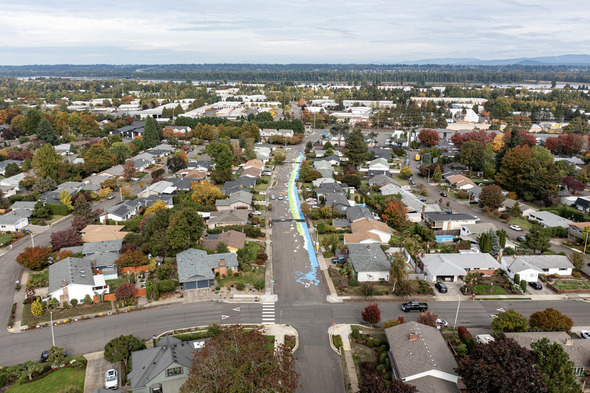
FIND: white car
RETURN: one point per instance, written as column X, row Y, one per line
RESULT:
column 585, row 334
column 257, row 213
column 111, row 379
column 441, row 323
column 515, row 227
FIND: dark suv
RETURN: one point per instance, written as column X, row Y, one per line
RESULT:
column 442, row 288
column 535, row 285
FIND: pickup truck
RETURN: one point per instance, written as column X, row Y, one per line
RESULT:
column 414, row 306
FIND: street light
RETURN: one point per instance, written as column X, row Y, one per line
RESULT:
column 52, row 335
column 457, row 314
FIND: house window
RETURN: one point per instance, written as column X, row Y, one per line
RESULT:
column 173, row 371
column 563, row 268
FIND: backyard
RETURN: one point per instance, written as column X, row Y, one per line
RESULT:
column 29, row 319
column 52, row 383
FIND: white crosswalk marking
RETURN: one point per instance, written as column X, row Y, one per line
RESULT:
column 268, row 313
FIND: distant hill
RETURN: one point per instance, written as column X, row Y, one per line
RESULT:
column 582, row 60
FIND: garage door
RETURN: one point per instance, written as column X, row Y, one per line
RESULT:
column 189, row 285
column 203, row 284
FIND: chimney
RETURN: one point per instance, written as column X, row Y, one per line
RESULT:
column 413, row 337
column 64, row 284
column 569, row 341
column 500, row 257
column 222, row 262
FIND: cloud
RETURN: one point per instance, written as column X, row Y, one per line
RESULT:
column 279, row 31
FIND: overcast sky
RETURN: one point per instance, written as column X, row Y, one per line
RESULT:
column 277, row 31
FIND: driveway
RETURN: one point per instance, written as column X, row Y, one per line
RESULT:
column 95, row 370
column 452, row 291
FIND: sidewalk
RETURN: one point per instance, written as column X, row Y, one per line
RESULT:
column 344, row 332
column 19, row 297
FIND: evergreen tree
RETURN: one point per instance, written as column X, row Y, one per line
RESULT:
column 437, row 175
column 151, row 136
column 45, row 132
column 356, row 148
column 555, row 367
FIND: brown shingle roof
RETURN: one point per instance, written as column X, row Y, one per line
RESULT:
column 360, row 237
column 254, row 163
column 367, row 224
column 98, row 233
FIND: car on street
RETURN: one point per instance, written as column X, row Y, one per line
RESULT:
column 536, row 285
column 280, row 197
column 585, row 334
column 273, row 197
column 515, row 227
column 441, row 323
column 44, row 356
column 111, row 196
column 414, row 306
column 443, row 194
column 111, row 379
column 441, row 287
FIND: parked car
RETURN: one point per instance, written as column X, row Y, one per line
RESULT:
column 338, row 260
column 442, row 288
column 443, row 194
column 280, row 197
column 273, row 197
column 521, row 239
column 111, row 379
column 585, row 334
column 535, row 285
column 441, row 323
column 257, row 213
column 44, row 356
column 515, row 227
column 414, row 306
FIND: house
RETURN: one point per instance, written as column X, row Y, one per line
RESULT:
column 151, row 199
column 333, row 159
column 321, row 180
column 382, row 180
column 195, row 174
column 576, row 230
column 528, row 267
column 255, row 163
column 461, row 182
column 197, row 269
column 13, row 181
column 550, row 220
column 262, row 153
column 451, row 267
column 357, row 212
column 371, row 226
column 237, row 200
column 419, row 356
column 234, row 240
column 13, row 221
column 379, row 165
column 131, row 131
column 115, row 171
column 577, row 349
column 384, row 153
column 228, row 217
column 72, row 278
column 235, row 185
column 583, row 204
column 96, row 233
column 369, row 262
column 472, row 231
column 321, row 164
column 120, row 212
column 163, row 368
column 447, row 221
column 184, row 184
column 251, row 172
column 341, row 224
column 508, row 204
column 337, row 202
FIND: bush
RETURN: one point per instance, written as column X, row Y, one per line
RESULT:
column 240, row 286
column 259, row 284
column 464, row 334
column 504, row 216
column 377, row 342
column 356, row 334
column 387, row 376
column 74, row 302
column 87, row 300
column 57, row 209
column 167, row 285
column 164, row 272
column 3, row 379
column 461, row 350
column 353, row 282
column 370, row 344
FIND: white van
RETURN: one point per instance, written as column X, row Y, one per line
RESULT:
column 484, row 339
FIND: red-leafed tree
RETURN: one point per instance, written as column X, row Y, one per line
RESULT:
column 128, row 247
column 372, row 382
column 61, row 239
column 525, row 138
column 567, row 144
column 240, row 360
column 125, row 291
column 132, row 258
column 371, row 314
column 34, row 257
column 79, row 223
column 572, row 184
column 482, row 136
column 63, row 254
column 395, row 215
column 429, row 137
column 428, row 318
column 552, row 144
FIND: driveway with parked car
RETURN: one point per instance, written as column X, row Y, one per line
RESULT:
column 96, row 373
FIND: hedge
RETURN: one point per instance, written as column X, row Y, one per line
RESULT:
column 57, row 209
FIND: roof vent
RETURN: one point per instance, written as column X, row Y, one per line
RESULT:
column 569, row 341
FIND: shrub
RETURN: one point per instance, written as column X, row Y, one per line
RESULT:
column 504, row 216
column 370, row 344
column 167, row 285
column 74, row 302
column 523, row 285
column 3, row 379
column 36, row 308
column 87, row 299
column 461, row 350
column 353, row 282
column 259, row 284
column 240, row 286
column 387, row 376
column 164, row 272
column 377, row 342
column 356, row 334
column 464, row 333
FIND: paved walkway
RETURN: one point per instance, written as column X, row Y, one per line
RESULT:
column 19, row 297
column 344, row 332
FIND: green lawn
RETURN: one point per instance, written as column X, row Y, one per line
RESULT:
column 60, row 315
column 42, row 275
column 248, row 277
column 571, row 284
column 52, row 383
column 489, row 290
column 253, row 249
column 258, row 197
column 114, row 284
column 521, row 222
column 6, row 238
column 261, row 187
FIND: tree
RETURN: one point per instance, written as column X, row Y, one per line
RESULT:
column 515, row 211
column 571, row 184
column 551, row 320
column 66, row 199
column 82, row 209
column 57, row 356
column 538, row 180
column 429, row 137
column 373, row 382
column 79, row 223
column 221, row 248
column 122, row 151
column 36, row 308
column 120, row 349
column 406, row 172
column 537, row 239
column 156, row 206
column 510, row 172
column 395, row 215
column 437, row 175
column 577, row 260
column 11, row 169
column 175, row 164
column 125, row 291
column 554, row 364
column 34, row 258
column 98, row 158
column 151, row 288
column 41, row 211
column 491, row 197
column 371, row 314
column 500, row 366
column 356, row 148
column 510, row 321
column 205, row 193
column 279, row 158
column 240, row 360
column 151, row 136
column 129, row 170
column 307, row 173
column 44, row 184
column 45, row 132
column 398, row 272
column 428, row 318
column 30, row 369
column 185, row 229
column 132, row 258
column 46, row 162
column 62, row 239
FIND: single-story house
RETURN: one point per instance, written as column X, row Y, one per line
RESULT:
column 329, row 188
column 237, row 200
column 341, row 224
column 321, row 180
column 447, row 221
column 461, row 182
column 576, row 230
column 13, row 221
column 72, row 278
column 163, row 368
column 451, row 267
column 577, row 349
column 369, row 262
column 419, row 356
column 529, row 267
column 234, row 240
column 508, row 204
column 161, row 187
column 255, row 163
column 321, row 164
column 337, row 202
column 550, row 220
column 583, row 204
column 197, row 269
column 228, row 217
column 380, row 165
column 120, row 212
column 472, row 231
column 251, row 172
column 382, row 180
column 370, row 225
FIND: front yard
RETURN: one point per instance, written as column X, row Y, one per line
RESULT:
column 571, row 284
column 244, row 277
column 52, row 383
column 60, row 315
column 489, row 290
column 521, row 222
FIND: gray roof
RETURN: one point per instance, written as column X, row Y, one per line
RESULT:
column 196, row 265
column 322, row 164
column 476, row 229
column 149, row 363
column 326, row 188
column 427, row 354
column 181, row 184
column 12, row 218
column 326, row 173
column 338, row 222
column 71, row 271
column 239, row 196
column 457, row 264
column 335, row 198
column 245, row 182
column 381, row 180
column 123, row 208
column 357, row 212
column 239, row 216
column 151, row 199
column 537, row 262
column 102, row 247
column 442, row 216
column 548, row 219
column 578, row 351
column 368, row 258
